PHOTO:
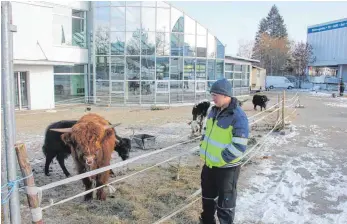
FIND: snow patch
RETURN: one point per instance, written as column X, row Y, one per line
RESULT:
column 315, row 144
column 290, row 189
column 343, row 105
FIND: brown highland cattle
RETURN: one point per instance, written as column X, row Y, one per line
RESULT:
column 92, row 141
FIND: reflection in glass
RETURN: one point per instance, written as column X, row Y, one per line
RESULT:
column 148, row 3
column 245, row 83
column 118, row 3
column 147, row 92
column 201, row 86
column 67, row 32
column 229, row 67
column 237, row 83
column 117, row 43
column 102, row 3
column 163, row 20
column 177, row 20
column 211, row 69
column 65, row 87
column 231, row 82
column 117, row 68
column 148, row 19
column 102, row 89
column 211, row 49
column 162, row 42
column 69, row 69
column 189, row 45
column 102, row 68
column 162, row 70
column 117, row 86
column 102, row 45
column 189, row 25
column 102, row 17
column 220, row 69
column 220, row 50
column 189, row 69
column 237, row 75
column 148, row 43
column 201, row 48
column 201, row 69
column 201, row 30
column 133, row 68
column 177, row 44
column 245, row 68
column 118, row 19
column 133, row 92
column 133, row 18
column 176, row 72
column 133, row 3
column 175, row 87
column 162, row 86
column 147, row 68
column 162, row 4
column 133, row 43
column 237, row 67
column 78, row 28
column 228, row 75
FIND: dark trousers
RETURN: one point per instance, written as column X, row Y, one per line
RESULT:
column 219, row 182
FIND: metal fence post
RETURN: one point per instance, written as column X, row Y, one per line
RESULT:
column 8, row 105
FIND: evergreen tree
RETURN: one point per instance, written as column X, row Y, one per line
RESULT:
column 275, row 24
column 271, row 42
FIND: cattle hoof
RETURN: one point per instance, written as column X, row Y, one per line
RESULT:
column 47, row 174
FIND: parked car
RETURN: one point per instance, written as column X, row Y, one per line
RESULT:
column 278, row 82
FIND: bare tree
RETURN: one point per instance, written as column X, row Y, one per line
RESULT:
column 245, row 48
column 302, row 55
column 274, row 53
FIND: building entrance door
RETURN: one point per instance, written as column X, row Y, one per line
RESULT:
column 21, row 89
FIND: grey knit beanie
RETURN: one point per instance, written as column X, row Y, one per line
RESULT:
column 223, row 87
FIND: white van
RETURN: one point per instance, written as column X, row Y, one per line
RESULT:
column 278, row 82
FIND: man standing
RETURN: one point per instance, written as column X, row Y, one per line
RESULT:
column 223, row 143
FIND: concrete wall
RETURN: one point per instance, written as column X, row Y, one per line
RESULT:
column 33, row 40
column 40, row 85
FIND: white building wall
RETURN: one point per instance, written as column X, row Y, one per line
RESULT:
column 329, row 44
column 33, row 40
column 40, row 85
column 34, row 50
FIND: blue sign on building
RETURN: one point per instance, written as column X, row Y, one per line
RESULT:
column 331, row 26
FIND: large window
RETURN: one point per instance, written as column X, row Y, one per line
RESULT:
column 69, row 27
column 152, row 52
column 69, row 84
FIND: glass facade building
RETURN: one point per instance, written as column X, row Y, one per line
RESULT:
column 150, row 53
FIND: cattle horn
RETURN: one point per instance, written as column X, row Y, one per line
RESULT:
column 62, row 130
column 112, row 125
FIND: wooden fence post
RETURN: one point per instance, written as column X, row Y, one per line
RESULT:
column 278, row 106
column 283, row 107
column 31, row 190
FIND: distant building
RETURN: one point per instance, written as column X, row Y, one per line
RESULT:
column 258, row 78
column 329, row 42
column 238, row 70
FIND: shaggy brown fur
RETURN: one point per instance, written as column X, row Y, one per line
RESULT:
column 89, row 140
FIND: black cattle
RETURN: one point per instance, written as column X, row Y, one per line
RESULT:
column 200, row 111
column 260, row 100
column 55, row 147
